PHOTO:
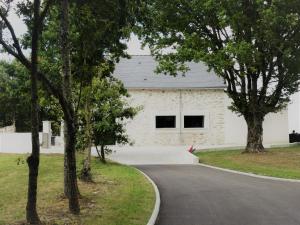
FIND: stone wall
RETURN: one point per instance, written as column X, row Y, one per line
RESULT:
column 222, row 126
column 209, row 103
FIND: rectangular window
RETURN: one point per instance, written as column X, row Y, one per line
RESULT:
column 165, row 121
column 193, row 121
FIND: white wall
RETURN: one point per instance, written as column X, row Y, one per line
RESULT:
column 16, row 142
column 275, row 128
column 178, row 103
column 294, row 113
column 222, row 127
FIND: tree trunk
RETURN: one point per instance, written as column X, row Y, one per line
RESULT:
column 66, row 167
column 34, row 159
column 66, row 177
column 98, row 153
column 103, row 154
column 85, row 174
column 255, row 134
column 71, row 187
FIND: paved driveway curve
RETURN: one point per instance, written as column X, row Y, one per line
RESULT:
column 195, row 195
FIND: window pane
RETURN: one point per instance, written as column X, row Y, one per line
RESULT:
column 193, row 121
column 165, row 121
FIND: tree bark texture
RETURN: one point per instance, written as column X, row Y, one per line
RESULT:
column 71, row 187
column 255, row 134
column 66, row 177
column 103, row 154
column 85, row 174
column 34, row 159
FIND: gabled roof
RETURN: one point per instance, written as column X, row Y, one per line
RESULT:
column 138, row 73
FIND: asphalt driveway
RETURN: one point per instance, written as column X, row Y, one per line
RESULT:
column 195, row 195
column 151, row 155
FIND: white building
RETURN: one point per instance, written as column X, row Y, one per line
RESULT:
column 187, row 110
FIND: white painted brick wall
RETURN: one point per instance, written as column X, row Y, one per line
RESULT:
column 209, row 103
column 222, row 127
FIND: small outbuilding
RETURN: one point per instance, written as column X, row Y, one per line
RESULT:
column 187, row 110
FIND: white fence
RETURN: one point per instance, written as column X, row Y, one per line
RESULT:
column 11, row 142
column 16, row 142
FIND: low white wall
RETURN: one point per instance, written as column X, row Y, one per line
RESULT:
column 275, row 128
column 16, row 142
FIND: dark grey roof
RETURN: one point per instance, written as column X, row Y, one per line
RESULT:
column 138, row 72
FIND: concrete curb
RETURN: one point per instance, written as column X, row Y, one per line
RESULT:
column 250, row 174
column 155, row 212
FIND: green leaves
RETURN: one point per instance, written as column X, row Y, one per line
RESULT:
column 253, row 45
column 109, row 111
column 14, row 96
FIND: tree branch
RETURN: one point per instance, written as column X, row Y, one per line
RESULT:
column 275, row 97
column 45, row 10
column 8, row 48
column 27, row 63
column 16, row 42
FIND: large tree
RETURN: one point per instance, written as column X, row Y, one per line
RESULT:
column 104, row 45
column 35, row 19
column 95, row 55
column 254, row 45
column 34, row 158
column 70, row 128
column 108, row 47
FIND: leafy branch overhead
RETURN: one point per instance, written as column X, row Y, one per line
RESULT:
column 110, row 113
column 254, row 45
column 67, row 39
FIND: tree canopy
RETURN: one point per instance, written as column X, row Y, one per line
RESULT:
column 109, row 113
column 15, row 99
column 254, row 45
column 67, row 39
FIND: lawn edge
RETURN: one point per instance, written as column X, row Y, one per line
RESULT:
column 250, row 174
column 156, row 207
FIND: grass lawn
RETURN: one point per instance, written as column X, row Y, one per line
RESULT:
column 119, row 196
column 277, row 162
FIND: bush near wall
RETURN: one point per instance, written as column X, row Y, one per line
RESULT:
column 294, row 137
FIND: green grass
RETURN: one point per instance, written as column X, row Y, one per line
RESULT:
column 276, row 162
column 119, row 196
